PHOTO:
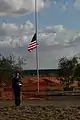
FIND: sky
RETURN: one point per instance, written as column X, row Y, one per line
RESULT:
column 58, row 30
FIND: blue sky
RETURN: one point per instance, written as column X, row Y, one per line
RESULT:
column 58, row 26
column 52, row 15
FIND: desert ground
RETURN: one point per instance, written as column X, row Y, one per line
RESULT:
column 61, row 108
column 30, row 87
column 56, row 108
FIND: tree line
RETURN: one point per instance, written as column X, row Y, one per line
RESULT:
column 68, row 68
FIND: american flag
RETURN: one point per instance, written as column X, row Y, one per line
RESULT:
column 33, row 44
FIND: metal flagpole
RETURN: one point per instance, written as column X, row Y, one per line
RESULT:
column 37, row 64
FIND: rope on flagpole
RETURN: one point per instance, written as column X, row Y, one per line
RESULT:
column 36, row 30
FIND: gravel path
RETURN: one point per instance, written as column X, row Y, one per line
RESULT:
column 61, row 108
column 39, row 113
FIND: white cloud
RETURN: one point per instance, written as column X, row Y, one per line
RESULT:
column 28, row 26
column 10, row 28
column 54, row 42
column 67, row 4
column 51, row 35
column 73, row 3
column 77, row 3
column 19, row 7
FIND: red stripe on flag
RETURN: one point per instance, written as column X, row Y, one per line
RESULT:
column 32, row 42
column 31, row 48
column 32, row 45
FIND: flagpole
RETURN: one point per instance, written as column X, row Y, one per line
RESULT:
column 37, row 64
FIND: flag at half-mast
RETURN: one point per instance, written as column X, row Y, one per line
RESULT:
column 33, row 44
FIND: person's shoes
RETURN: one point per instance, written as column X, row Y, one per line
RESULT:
column 17, row 105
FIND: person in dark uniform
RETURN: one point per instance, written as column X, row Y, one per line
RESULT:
column 16, row 86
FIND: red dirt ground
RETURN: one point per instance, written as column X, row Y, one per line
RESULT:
column 29, row 87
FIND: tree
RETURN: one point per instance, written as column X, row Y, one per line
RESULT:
column 9, row 64
column 77, row 73
column 66, row 70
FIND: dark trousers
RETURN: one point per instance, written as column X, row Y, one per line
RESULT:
column 17, row 95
